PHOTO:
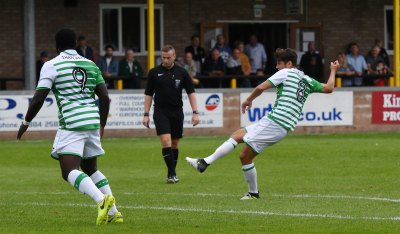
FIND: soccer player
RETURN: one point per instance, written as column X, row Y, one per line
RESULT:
column 74, row 81
column 166, row 83
column 293, row 88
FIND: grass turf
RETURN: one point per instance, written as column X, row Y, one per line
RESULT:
column 346, row 183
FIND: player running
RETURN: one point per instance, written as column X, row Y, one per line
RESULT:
column 74, row 81
column 293, row 88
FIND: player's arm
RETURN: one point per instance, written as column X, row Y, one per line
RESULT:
column 193, row 104
column 104, row 105
column 34, row 107
column 257, row 91
column 330, row 84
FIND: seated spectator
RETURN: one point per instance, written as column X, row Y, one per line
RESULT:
column 311, row 63
column 130, row 67
column 198, row 53
column 234, row 67
column 382, row 52
column 108, row 65
column 189, row 65
column 381, row 69
column 213, row 66
column 83, row 49
column 357, row 61
column 373, row 59
column 223, row 48
column 345, row 70
column 44, row 57
column 244, row 59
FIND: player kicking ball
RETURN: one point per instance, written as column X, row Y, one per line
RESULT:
column 293, row 88
column 74, row 81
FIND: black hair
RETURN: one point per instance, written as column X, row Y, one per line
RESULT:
column 286, row 55
column 194, row 36
column 80, row 38
column 65, row 39
column 109, row 46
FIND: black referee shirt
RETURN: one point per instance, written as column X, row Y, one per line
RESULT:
column 166, row 85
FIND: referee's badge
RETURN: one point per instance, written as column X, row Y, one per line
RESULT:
column 177, row 82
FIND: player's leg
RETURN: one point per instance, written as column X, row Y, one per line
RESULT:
column 175, row 153
column 226, row 147
column 89, row 166
column 250, row 173
column 176, row 123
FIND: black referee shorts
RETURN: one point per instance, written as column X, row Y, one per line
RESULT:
column 168, row 122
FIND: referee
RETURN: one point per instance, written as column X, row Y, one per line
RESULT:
column 165, row 82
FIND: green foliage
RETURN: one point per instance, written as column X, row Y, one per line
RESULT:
column 308, row 184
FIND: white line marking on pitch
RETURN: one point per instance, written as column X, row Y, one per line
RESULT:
column 246, row 212
column 228, row 195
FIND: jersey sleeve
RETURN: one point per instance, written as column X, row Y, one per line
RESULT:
column 278, row 78
column 316, row 86
column 149, row 91
column 99, row 77
column 188, row 83
column 48, row 74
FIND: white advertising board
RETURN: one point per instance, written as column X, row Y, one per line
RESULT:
column 333, row 109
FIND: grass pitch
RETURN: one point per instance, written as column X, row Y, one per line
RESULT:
column 308, row 184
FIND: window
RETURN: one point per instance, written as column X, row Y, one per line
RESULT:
column 125, row 26
column 389, row 29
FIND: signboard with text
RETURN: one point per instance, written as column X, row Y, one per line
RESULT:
column 386, row 107
column 335, row 109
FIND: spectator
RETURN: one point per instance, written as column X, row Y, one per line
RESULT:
column 234, row 67
column 256, row 53
column 373, row 58
column 44, row 57
column 382, row 52
column 130, row 67
column 198, row 53
column 246, row 67
column 213, row 66
column 381, row 68
column 345, row 71
column 311, row 62
column 357, row 61
column 83, row 49
column 189, row 65
column 223, row 48
column 108, row 65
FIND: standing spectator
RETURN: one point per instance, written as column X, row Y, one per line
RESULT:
column 223, row 48
column 166, row 82
column 357, row 61
column 234, row 67
column 189, row 65
column 108, row 65
column 44, row 57
column 244, row 59
column 345, row 70
column 130, row 67
column 198, row 53
column 213, row 66
column 83, row 49
column 311, row 62
column 256, row 53
column 382, row 51
column 373, row 58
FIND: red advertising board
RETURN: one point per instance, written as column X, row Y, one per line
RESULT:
column 386, row 107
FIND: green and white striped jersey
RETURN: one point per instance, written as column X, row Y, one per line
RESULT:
column 293, row 88
column 73, row 79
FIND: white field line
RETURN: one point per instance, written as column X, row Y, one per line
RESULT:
column 239, row 212
column 227, row 195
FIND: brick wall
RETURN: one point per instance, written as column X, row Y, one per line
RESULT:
column 343, row 21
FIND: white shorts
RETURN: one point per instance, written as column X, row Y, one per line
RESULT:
column 263, row 134
column 85, row 144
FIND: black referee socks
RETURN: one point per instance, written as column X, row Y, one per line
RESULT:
column 169, row 160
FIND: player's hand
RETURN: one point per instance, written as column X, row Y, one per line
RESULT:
column 146, row 121
column 335, row 65
column 195, row 119
column 21, row 131
column 101, row 131
column 246, row 105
